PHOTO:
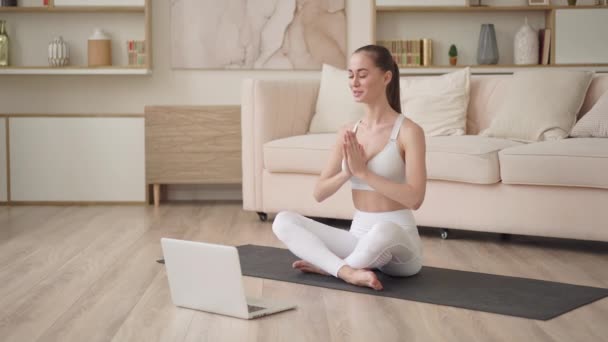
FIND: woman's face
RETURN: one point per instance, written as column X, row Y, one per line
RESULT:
column 366, row 80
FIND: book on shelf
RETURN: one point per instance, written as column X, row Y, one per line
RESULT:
column 409, row 52
column 544, row 40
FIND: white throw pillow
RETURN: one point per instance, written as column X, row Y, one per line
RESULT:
column 335, row 103
column 595, row 122
column 540, row 105
column 439, row 103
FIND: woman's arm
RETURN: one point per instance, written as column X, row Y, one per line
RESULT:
column 411, row 193
column 332, row 177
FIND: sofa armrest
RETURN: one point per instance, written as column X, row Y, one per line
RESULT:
column 270, row 109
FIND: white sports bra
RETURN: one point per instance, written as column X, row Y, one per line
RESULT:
column 387, row 163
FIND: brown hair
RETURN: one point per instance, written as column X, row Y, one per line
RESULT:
column 384, row 60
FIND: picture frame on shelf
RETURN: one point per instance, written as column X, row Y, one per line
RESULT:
column 538, row 3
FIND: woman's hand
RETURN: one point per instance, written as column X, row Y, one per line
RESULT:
column 355, row 155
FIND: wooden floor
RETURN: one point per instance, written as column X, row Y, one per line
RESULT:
column 89, row 274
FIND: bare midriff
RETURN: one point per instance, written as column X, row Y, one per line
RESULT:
column 372, row 201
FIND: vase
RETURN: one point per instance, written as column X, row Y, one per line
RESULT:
column 59, row 53
column 525, row 45
column 487, row 50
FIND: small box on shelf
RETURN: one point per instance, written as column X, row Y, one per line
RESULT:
column 136, row 50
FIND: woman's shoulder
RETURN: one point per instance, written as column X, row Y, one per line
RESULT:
column 410, row 129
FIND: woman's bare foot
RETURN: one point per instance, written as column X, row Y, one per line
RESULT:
column 360, row 277
column 305, row 266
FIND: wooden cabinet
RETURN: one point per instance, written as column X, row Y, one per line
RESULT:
column 192, row 145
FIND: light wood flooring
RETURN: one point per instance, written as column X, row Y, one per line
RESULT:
column 88, row 273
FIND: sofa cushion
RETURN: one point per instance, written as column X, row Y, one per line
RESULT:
column 438, row 104
column 524, row 117
column 300, row 154
column 336, row 105
column 466, row 158
column 569, row 162
column 595, row 122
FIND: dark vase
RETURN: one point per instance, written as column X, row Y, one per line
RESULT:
column 487, row 50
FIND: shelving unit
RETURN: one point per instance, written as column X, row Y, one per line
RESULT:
column 118, row 69
column 547, row 13
column 72, row 70
column 73, row 9
column 478, row 8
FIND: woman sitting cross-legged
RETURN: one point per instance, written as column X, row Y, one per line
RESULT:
column 383, row 156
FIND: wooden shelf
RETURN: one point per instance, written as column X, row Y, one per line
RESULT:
column 496, row 69
column 479, row 8
column 72, row 9
column 119, row 69
column 75, row 70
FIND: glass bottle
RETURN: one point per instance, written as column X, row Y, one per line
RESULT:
column 3, row 44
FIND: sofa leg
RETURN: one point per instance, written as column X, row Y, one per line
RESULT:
column 263, row 216
column 444, row 233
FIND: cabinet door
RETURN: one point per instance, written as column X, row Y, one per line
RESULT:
column 85, row 159
column 580, row 36
column 3, row 161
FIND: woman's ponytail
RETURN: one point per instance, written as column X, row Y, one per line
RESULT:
column 393, row 91
column 384, row 60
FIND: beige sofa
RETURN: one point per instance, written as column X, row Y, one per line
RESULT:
column 554, row 188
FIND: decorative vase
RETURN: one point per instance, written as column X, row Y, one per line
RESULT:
column 59, row 53
column 453, row 60
column 487, row 50
column 525, row 45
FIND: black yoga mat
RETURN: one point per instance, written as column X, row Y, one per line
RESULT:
column 513, row 296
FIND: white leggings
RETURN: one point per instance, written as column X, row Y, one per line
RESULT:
column 388, row 241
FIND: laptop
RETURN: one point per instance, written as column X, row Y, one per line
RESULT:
column 207, row 277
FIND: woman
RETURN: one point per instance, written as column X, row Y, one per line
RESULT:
column 383, row 156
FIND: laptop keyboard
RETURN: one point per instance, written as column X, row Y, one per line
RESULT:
column 253, row 308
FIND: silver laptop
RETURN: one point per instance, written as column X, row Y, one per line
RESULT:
column 207, row 277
